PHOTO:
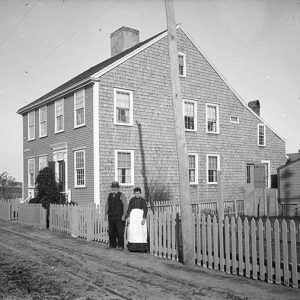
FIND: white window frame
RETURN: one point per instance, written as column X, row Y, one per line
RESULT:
column 217, row 121
column 185, row 101
column 43, row 162
column 131, row 152
column 130, row 123
column 237, row 121
column 30, row 138
column 218, row 167
column 76, row 185
column 268, row 163
column 75, row 108
column 31, row 185
column 196, row 168
column 184, row 64
column 258, row 135
column 42, row 121
column 63, row 115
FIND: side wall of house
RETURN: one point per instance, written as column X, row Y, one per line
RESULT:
column 152, row 134
column 289, row 187
column 69, row 140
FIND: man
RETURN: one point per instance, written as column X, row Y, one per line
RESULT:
column 115, row 212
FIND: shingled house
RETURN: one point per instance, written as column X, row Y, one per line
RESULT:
column 115, row 121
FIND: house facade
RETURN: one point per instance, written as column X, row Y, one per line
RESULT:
column 115, row 122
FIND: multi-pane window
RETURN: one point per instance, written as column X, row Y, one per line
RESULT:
column 79, row 160
column 248, row 172
column 212, row 168
column 31, row 173
column 124, row 167
column 261, row 135
column 43, row 121
column 123, row 112
column 59, row 115
column 190, row 115
column 193, row 168
column 79, row 108
column 212, row 118
column 42, row 162
column 182, row 64
column 31, row 126
column 267, row 173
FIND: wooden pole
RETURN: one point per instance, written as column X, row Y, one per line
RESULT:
column 184, row 185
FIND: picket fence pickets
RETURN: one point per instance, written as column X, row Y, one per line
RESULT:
column 32, row 215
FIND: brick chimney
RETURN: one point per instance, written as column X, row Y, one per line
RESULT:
column 255, row 106
column 122, row 39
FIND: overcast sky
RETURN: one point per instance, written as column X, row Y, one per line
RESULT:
column 254, row 44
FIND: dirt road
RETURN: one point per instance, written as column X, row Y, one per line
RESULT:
column 38, row 264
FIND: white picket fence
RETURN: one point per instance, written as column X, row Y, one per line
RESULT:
column 260, row 250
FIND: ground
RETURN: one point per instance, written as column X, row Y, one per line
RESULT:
column 39, row 264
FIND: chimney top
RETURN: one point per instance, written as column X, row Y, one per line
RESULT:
column 123, row 38
column 255, row 106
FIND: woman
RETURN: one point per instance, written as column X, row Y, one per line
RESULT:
column 136, row 220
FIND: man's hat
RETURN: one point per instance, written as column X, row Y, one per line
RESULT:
column 115, row 184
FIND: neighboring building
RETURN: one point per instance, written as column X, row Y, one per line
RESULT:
column 115, row 121
column 289, row 185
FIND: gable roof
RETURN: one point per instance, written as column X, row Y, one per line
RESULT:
column 87, row 75
column 293, row 157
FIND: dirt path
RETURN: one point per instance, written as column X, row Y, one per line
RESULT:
column 38, row 264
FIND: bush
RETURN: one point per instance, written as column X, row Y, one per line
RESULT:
column 158, row 192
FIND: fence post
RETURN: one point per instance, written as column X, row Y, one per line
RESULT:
column 74, row 221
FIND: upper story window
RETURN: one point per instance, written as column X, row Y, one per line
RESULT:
column 79, row 109
column 261, row 135
column 212, row 118
column 79, row 160
column 123, row 107
column 31, row 172
column 31, row 126
column 213, row 165
column 59, row 116
column 124, row 167
column 43, row 121
column 42, row 162
column 182, row 64
column 190, row 115
column 193, row 168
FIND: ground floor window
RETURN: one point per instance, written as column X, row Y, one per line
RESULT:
column 212, row 168
column 124, row 167
column 79, row 159
column 31, row 173
column 193, row 168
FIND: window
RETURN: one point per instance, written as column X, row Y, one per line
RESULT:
column 248, row 172
column 267, row 173
column 59, row 116
column 123, row 111
column 193, row 168
column 212, row 168
column 79, row 109
column 190, row 115
column 261, row 135
column 234, row 119
column 79, row 159
column 124, row 167
column 43, row 121
column 212, row 118
column 42, row 162
column 31, row 126
column 31, row 173
column 182, row 64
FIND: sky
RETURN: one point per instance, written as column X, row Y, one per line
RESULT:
column 254, row 44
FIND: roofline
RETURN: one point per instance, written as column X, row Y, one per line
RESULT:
column 288, row 164
column 229, row 85
column 33, row 105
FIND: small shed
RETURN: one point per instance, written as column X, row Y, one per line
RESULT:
column 289, row 187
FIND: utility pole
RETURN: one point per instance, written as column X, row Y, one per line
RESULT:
column 187, row 221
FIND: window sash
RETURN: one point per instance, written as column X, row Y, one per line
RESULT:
column 261, row 135
column 193, row 168
column 79, row 108
column 43, row 121
column 59, row 115
column 181, row 64
column 79, row 158
column 123, row 113
column 212, row 169
column 31, row 125
column 124, row 167
column 42, row 162
column 212, row 118
column 31, row 172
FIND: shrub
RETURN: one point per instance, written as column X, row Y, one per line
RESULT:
column 158, row 192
